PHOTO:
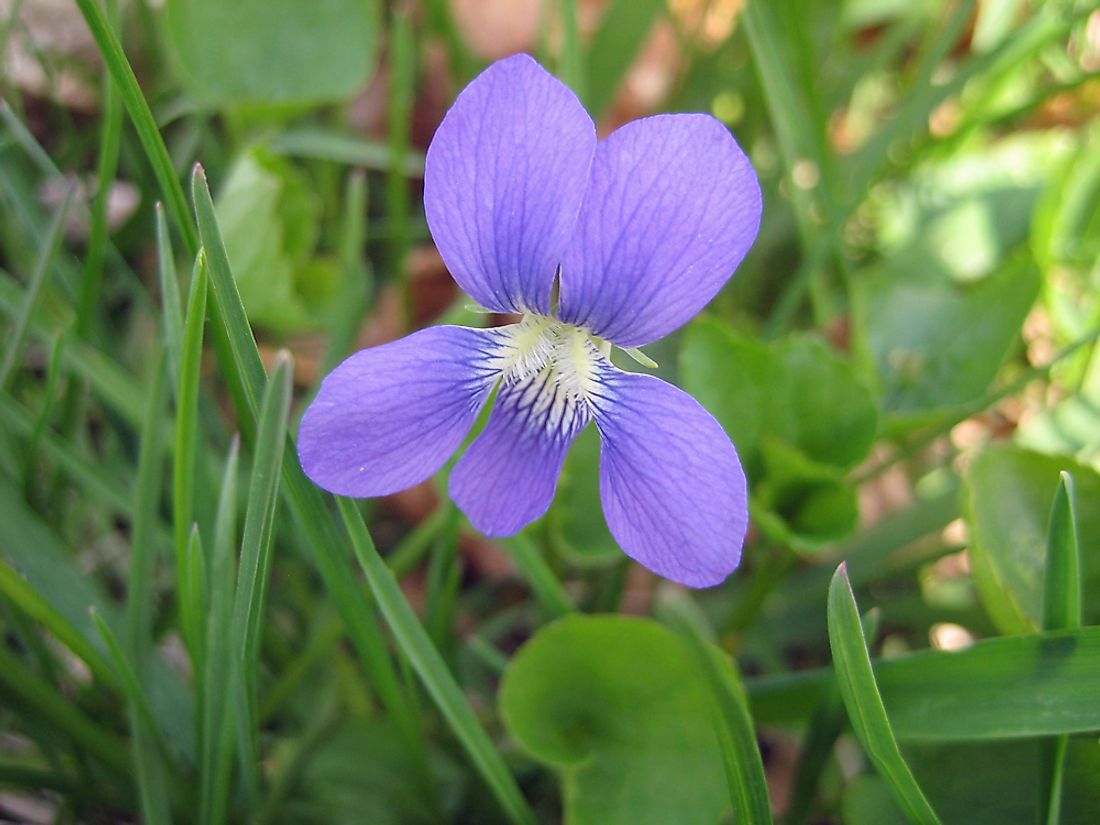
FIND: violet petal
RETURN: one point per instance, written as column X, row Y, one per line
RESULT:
column 503, row 181
column 672, row 207
column 671, row 483
column 507, row 478
column 390, row 416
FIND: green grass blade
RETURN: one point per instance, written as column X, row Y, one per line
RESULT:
column 546, row 587
column 169, row 294
column 147, row 745
column 571, row 63
column 142, row 117
column 736, row 735
column 310, row 514
column 34, row 697
column 432, row 670
column 216, row 738
column 342, row 148
column 864, row 703
column 183, row 468
column 1061, row 611
column 107, row 165
column 622, row 31
column 252, row 577
column 1062, row 579
column 402, row 88
column 17, row 335
column 357, row 274
column 16, row 590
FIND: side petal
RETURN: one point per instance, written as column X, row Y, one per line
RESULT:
column 390, row 416
column 503, row 181
column 672, row 207
column 672, row 487
column 507, row 478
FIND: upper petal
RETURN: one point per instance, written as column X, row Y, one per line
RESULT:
column 672, row 487
column 388, row 417
column 507, row 478
column 672, row 207
column 503, row 181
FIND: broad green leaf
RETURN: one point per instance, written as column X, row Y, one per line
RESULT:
column 934, row 344
column 619, row 707
column 796, row 390
column 1072, row 425
column 272, row 51
column 268, row 216
column 1010, row 495
column 866, row 711
column 798, row 415
column 1011, row 687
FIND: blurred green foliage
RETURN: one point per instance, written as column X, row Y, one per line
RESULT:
column 906, row 362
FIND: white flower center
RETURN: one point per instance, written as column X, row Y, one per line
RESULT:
column 567, row 357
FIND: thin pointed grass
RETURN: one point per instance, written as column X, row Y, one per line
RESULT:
column 21, row 595
column 571, row 68
column 741, row 758
column 443, row 579
column 432, row 670
column 17, row 335
column 148, row 746
column 22, row 688
column 149, row 749
column 824, row 727
column 252, row 577
column 357, row 273
column 183, row 468
column 45, row 410
column 216, row 736
column 324, row 542
column 546, row 587
column 402, row 86
column 169, row 294
column 866, row 711
column 95, row 254
column 142, row 117
column 1061, row 611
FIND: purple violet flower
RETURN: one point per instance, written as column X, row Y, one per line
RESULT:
column 618, row 243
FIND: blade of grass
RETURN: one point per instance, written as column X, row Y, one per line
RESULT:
column 307, row 505
column 149, row 749
column 571, row 63
column 21, row 688
column 95, row 253
column 864, row 702
column 169, row 294
column 183, row 468
column 546, row 587
column 252, row 576
column 402, row 87
column 17, row 335
column 15, row 589
column 623, row 29
column 147, row 746
column 1061, row 611
column 740, row 753
column 216, row 736
column 342, row 148
column 357, row 273
column 432, row 670
column 139, row 596
column 142, row 117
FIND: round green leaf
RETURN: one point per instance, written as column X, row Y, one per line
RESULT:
column 272, row 51
column 616, row 704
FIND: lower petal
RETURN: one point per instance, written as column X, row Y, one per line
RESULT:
column 672, row 487
column 390, row 416
column 507, row 478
